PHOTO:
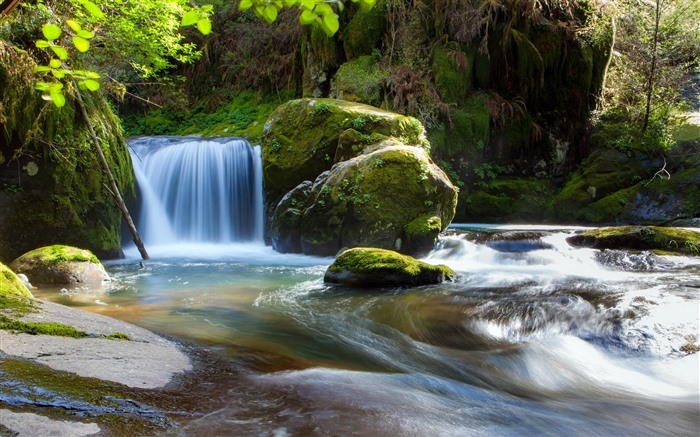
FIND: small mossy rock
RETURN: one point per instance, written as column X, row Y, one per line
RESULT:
column 372, row 267
column 372, row 199
column 60, row 265
column 360, row 80
column 365, row 30
column 656, row 238
column 11, row 285
column 286, row 222
column 301, row 137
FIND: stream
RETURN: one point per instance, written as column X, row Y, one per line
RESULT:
column 534, row 337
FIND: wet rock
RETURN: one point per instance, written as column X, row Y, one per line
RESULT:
column 30, row 424
column 60, row 265
column 655, row 238
column 371, row 267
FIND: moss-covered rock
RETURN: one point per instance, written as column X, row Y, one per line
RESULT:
column 392, row 195
column 54, row 192
column 286, row 222
column 656, row 238
column 10, row 285
column 301, row 137
column 506, row 200
column 360, row 80
column 371, row 267
column 452, row 68
column 60, row 265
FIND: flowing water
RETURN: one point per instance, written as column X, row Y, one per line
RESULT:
column 534, row 337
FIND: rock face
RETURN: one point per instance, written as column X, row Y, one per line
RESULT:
column 370, row 267
column 10, row 284
column 60, row 265
column 670, row 240
column 378, row 187
column 54, row 191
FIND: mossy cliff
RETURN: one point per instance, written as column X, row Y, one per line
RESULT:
column 374, row 183
column 51, row 187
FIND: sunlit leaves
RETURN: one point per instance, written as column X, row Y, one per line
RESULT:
column 52, row 91
column 51, row 31
column 81, row 44
column 60, row 52
column 200, row 18
column 316, row 12
column 92, row 8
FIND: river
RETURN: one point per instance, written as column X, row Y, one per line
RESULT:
column 534, row 337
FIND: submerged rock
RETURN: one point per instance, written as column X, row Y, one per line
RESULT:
column 60, row 265
column 655, row 238
column 370, row 267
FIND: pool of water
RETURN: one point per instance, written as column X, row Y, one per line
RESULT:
column 533, row 338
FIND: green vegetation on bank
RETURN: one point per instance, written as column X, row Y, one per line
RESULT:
column 663, row 240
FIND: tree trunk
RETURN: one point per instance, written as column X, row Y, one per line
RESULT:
column 652, row 69
column 114, row 189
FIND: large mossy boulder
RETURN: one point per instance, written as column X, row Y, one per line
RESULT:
column 371, row 267
column 391, row 197
column 301, row 137
column 656, row 238
column 10, row 285
column 51, row 187
column 60, row 265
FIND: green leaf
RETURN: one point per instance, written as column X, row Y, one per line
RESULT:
column 81, row 44
column 331, row 24
column 308, row 4
column 74, row 25
column 42, row 69
column 92, row 75
column 289, row 3
column 245, row 4
column 55, row 63
column 190, row 18
column 92, row 8
column 204, row 26
column 86, row 34
column 90, row 84
column 207, row 9
column 59, row 74
column 60, row 52
column 323, row 9
column 58, row 98
column 50, row 31
column 270, row 13
column 307, row 17
column 42, row 44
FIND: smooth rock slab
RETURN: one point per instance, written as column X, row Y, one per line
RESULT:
column 147, row 361
column 32, row 425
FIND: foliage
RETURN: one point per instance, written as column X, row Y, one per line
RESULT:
column 657, row 47
column 317, row 12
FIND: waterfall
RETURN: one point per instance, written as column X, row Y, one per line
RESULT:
column 198, row 190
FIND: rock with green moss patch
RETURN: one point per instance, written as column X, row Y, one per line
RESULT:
column 11, row 285
column 372, row 267
column 360, row 80
column 364, row 31
column 60, row 265
column 386, row 198
column 661, row 239
column 301, row 137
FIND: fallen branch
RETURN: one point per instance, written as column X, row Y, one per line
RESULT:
column 663, row 174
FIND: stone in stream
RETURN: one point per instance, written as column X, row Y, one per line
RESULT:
column 60, row 265
column 372, row 267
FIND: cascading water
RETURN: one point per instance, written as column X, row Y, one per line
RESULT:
column 197, row 190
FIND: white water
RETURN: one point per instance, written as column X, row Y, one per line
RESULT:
column 198, row 190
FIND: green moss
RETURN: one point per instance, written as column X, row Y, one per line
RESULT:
column 33, row 328
column 506, row 201
column 11, row 287
column 668, row 240
column 117, row 336
column 380, row 267
column 452, row 68
column 364, row 32
column 59, row 253
column 360, row 80
column 424, row 225
column 469, row 134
